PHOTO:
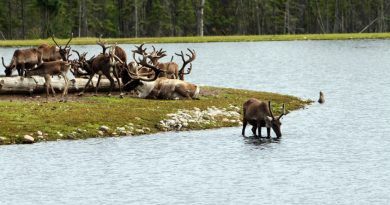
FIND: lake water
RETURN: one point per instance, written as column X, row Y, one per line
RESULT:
column 335, row 153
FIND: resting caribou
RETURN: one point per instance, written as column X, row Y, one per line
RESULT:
column 23, row 60
column 158, row 88
column 171, row 69
column 259, row 114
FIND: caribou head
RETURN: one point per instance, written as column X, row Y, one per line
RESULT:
column 274, row 122
column 64, row 51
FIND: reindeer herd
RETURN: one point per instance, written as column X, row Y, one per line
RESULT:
column 146, row 74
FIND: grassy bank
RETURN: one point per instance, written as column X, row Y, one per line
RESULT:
column 80, row 119
column 195, row 39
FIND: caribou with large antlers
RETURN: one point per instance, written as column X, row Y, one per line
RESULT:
column 171, row 69
column 158, row 87
column 54, row 53
column 23, row 60
column 259, row 114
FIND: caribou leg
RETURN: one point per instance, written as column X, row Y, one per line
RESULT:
column 47, row 85
column 112, row 83
column 97, row 84
column 64, row 92
column 254, row 127
column 119, row 82
column 86, row 85
column 244, row 123
column 268, row 132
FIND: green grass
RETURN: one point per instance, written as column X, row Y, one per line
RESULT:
column 196, row 39
column 21, row 117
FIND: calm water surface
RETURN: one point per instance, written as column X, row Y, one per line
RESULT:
column 335, row 153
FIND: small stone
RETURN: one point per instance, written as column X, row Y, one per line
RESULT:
column 71, row 136
column 40, row 137
column 120, row 129
column 100, row 133
column 3, row 140
column 27, row 139
column 104, row 128
column 146, row 129
column 137, row 118
column 225, row 120
column 39, row 133
column 114, row 134
column 140, row 131
column 233, row 121
column 78, row 130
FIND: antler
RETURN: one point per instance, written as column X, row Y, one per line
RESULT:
column 78, row 54
column 270, row 109
column 52, row 37
column 284, row 112
column 2, row 60
column 71, row 37
column 140, row 50
column 102, row 44
column 143, row 62
column 66, row 46
column 185, row 62
column 156, row 55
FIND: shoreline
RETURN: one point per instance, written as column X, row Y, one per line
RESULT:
column 85, row 117
column 197, row 39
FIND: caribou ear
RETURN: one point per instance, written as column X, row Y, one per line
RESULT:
column 268, row 121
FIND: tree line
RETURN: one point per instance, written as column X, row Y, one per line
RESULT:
column 31, row 19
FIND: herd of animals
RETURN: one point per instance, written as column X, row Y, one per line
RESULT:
column 145, row 74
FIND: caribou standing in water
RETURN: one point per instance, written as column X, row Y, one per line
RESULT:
column 259, row 114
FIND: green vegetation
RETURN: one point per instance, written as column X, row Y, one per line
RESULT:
column 21, row 117
column 33, row 19
column 197, row 39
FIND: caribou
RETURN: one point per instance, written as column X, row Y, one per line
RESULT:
column 171, row 69
column 82, row 67
column 104, row 64
column 55, row 53
column 23, row 60
column 259, row 114
column 47, row 69
column 158, row 87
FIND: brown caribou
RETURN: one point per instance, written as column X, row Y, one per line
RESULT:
column 47, row 69
column 158, row 87
column 104, row 64
column 81, row 66
column 259, row 114
column 55, row 53
column 23, row 60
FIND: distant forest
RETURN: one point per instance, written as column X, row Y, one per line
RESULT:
column 31, row 19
